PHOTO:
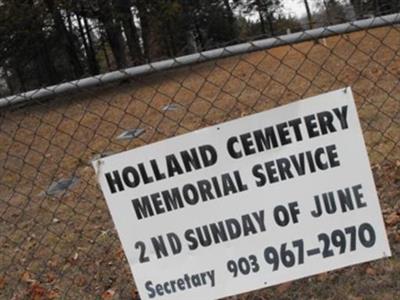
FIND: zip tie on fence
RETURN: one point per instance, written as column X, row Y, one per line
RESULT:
column 190, row 59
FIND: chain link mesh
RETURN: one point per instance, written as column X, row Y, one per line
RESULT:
column 57, row 237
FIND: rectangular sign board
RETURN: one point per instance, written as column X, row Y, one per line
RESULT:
column 246, row 204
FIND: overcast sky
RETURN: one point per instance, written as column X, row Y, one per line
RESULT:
column 296, row 7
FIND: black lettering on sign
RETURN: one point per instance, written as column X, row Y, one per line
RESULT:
column 165, row 246
column 188, row 194
column 258, row 173
column 143, row 173
column 341, row 200
column 281, row 169
column 272, row 173
column 233, row 152
column 191, row 160
column 247, row 143
column 157, row 174
column 339, row 238
column 284, row 134
column 173, row 166
column 284, row 165
column 298, row 163
column 131, row 177
column 325, row 120
column 225, row 230
column 208, row 155
column 311, row 125
column 142, row 254
column 295, row 124
column 333, row 157
column 114, row 180
column 265, row 139
column 341, row 114
column 154, row 170
column 284, row 215
column 143, row 207
column 172, row 199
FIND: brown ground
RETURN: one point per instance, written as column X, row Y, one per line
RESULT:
column 65, row 246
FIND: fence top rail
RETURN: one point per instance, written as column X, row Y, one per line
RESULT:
column 186, row 60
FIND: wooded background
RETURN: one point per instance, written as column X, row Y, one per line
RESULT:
column 45, row 42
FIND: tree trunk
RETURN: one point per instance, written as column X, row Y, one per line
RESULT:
column 191, row 45
column 377, row 8
column 327, row 11
column 358, row 9
column 83, row 38
column 90, row 41
column 309, row 16
column 113, row 32
column 270, row 20
column 231, row 18
column 262, row 22
column 395, row 5
column 66, row 38
column 105, row 53
column 44, row 65
column 200, row 38
column 69, row 21
column 91, row 58
column 171, row 40
column 125, row 16
column 20, row 77
column 260, row 14
column 145, row 28
column 9, row 81
column 228, row 9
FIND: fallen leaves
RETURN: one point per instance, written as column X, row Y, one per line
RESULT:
column 135, row 294
column 120, row 253
column 370, row 271
column 37, row 292
column 355, row 298
column 80, row 281
column 323, row 276
column 53, row 294
column 27, row 277
column 50, row 277
column 392, row 219
column 283, row 287
column 397, row 237
column 73, row 259
column 108, row 294
column 76, row 256
column 2, row 282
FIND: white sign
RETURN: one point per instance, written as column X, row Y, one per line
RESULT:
column 246, row 204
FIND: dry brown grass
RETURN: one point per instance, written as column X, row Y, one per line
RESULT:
column 65, row 247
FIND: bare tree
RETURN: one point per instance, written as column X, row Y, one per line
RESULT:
column 309, row 16
column 113, row 32
column 125, row 16
column 65, row 36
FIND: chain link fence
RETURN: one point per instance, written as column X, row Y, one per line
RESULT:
column 56, row 235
